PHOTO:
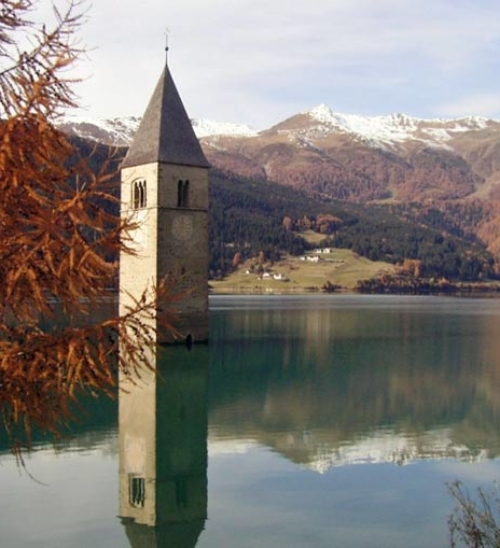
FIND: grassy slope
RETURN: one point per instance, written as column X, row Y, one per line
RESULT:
column 342, row 267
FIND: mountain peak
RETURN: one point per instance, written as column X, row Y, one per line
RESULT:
column 473, row 122
column 395, row 128
column 389, row 128
column 321, row 112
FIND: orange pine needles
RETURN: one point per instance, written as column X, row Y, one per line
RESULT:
column 59, row 243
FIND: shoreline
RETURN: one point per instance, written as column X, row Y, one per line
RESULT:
column 346, row 291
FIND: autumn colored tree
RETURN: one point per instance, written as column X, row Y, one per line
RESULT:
column 237, row 260
column 327, row 224
column 411, row 267
column 305, row 223
column 287, row 223
column 58, row 241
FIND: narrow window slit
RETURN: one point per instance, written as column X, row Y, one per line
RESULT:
column 183, row 193
column 136, row 490
column 139, row 194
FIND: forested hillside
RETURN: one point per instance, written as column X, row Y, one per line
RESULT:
column 249, row 218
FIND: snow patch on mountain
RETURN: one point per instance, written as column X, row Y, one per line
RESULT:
column 120, row 131
column 393, row 128
column 209, row 128
column 111, row 131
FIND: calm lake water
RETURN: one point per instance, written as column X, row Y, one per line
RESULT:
column 308, row 422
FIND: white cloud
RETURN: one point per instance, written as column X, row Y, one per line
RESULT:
column 252, row 60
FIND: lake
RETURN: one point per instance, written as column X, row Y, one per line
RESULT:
column 312, row 421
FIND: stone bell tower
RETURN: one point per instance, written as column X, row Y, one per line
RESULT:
column 165, row 189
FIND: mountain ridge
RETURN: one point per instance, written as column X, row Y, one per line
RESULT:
column 392, row 127
column 389, row 159
column 345, row 156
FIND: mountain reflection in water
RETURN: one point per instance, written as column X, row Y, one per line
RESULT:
column 326, row 385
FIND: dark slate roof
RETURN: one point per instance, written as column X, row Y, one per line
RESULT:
column 165, row 133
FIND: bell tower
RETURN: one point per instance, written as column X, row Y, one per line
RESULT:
column 164, row 188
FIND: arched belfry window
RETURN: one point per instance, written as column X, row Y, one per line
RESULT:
column 183, row 194
column 139, row 194
column 136, row 490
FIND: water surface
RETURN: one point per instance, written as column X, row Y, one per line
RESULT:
column 331, row 421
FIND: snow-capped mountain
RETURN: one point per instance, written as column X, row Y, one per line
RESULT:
column 318, row 122
column 393, row 128
column 346, row 156
column 120, row 131
column 110, row 131
column 363, row 158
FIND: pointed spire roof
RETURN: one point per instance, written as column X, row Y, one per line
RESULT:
column 165, row 133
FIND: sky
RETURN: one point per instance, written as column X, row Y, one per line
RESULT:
column 258, row 62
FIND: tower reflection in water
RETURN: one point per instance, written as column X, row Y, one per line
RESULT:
column 163, row 450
